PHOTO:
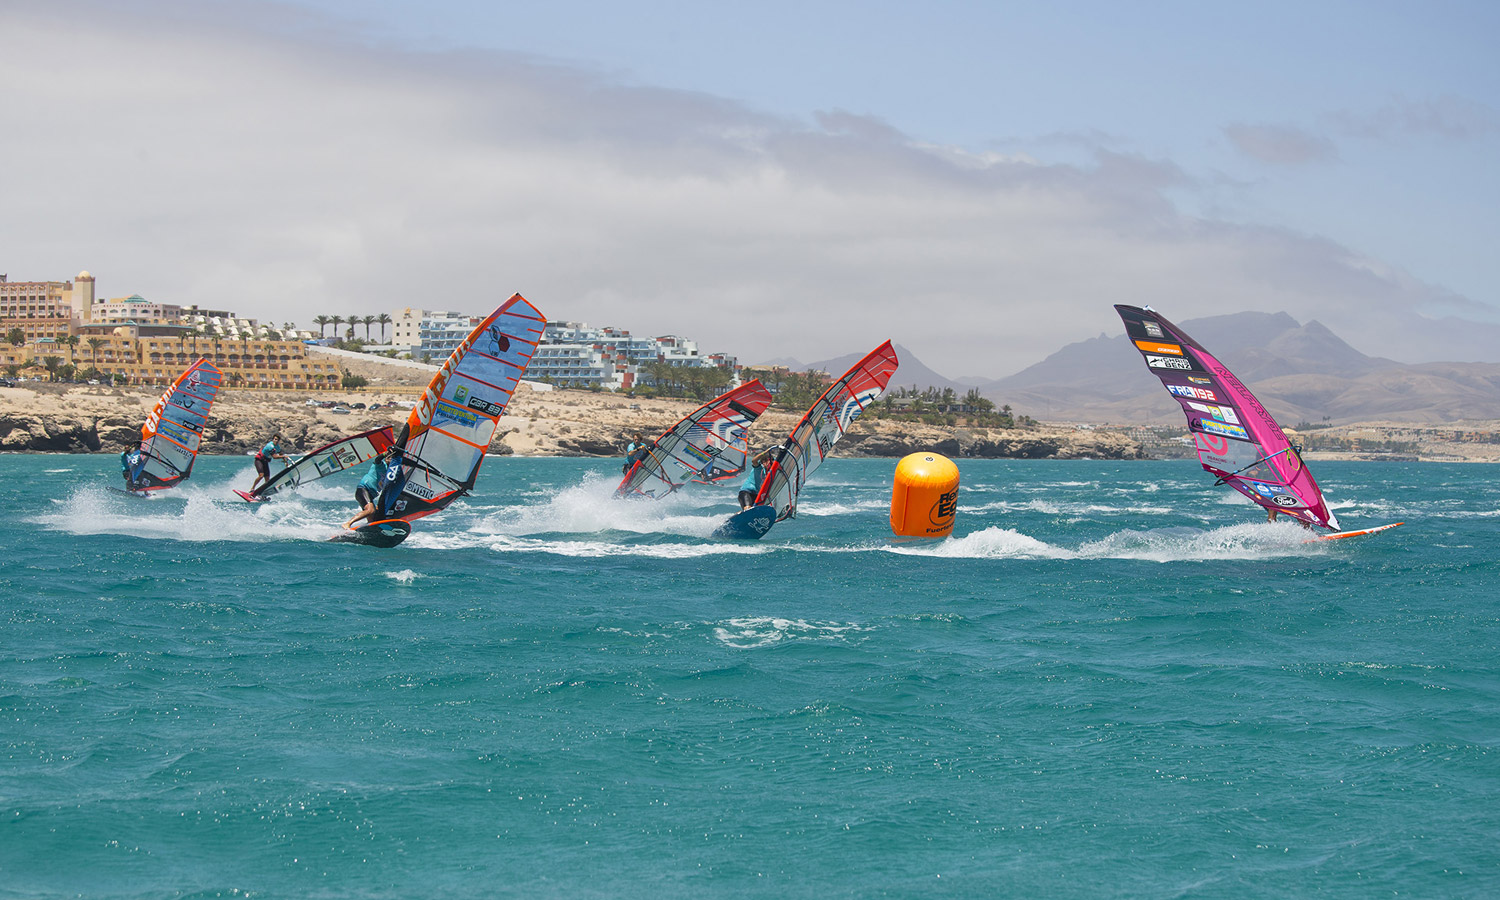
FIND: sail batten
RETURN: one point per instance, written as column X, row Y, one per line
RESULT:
column 706, row 445
column 1236, row 438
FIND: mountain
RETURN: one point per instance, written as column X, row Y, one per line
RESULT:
column 1300, row 372
column 911, row 373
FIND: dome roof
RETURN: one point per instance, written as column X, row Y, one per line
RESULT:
column 85, row 276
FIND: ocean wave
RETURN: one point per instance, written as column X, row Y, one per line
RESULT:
column 752, row 632
column 1249, row 541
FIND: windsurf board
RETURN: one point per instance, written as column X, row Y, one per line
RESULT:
column 749, row 524
column 385, row 533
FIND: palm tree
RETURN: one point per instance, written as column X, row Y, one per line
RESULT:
column 367, row 321
column 70, row 341
column 384, row 319
column 94, row 345
column 16, row 336
column 52, row 363
column 322, row 323
column 336, row 321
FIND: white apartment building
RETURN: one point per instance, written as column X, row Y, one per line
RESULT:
column 431, row 332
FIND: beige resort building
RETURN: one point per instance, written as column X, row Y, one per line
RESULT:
column 57, row 324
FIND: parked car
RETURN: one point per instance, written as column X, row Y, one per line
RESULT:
column 7, row 382
column 339, row 410
column 356, row 406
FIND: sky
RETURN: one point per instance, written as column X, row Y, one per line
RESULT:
column 978, row 181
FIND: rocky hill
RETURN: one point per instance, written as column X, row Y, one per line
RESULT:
column 1301, row 372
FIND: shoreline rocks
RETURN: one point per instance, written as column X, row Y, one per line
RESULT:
column 48, row 418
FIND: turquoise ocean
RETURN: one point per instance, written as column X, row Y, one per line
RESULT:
column 1115, row 681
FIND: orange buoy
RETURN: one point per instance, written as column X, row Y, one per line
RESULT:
column 924, row 499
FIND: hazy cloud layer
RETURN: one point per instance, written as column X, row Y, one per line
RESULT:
column 1280, row 144
column 284, row 175
column 1452, row 118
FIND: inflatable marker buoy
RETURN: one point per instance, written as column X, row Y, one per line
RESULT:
column 924, row 499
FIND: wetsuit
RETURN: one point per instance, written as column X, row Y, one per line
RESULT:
column 635, row 451
column 750, row 487
column 129, row 459
column 263, row 459
column 369, row 486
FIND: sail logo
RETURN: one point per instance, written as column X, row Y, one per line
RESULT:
column 1234, row 431
column 501, row 342
column 700, row 455
column 461, row 392
column 1154, row 347
column 448, row 413
column 485, row 406
column 1198, row 379
column 1167, row 362
column 1222, row 413
column 1197, row 393
column 1152, row 328
column 418, row 490
column 1275, row 493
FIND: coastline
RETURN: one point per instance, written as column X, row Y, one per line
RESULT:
column 39, row 417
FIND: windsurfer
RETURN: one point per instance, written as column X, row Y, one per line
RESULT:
column 129, row 459
column 263, row 456
column 368, row 491
column 635, row 451
column 754, row 477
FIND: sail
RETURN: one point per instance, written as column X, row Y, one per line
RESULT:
column 707, row 445
column 173, row 431
column 444, row 439
column 342, row 454
column 1236, row 438
column 822, row 426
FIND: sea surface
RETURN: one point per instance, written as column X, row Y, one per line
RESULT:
column 1116, row 680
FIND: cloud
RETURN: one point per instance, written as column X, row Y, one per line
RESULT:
column 1281, row 145
column 1448, row 117
column 262, row 165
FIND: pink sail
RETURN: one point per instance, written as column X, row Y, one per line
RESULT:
column 1236, row 438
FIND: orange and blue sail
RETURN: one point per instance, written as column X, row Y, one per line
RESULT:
column 173, row 432
column 444, row 440
column 1237, row 440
